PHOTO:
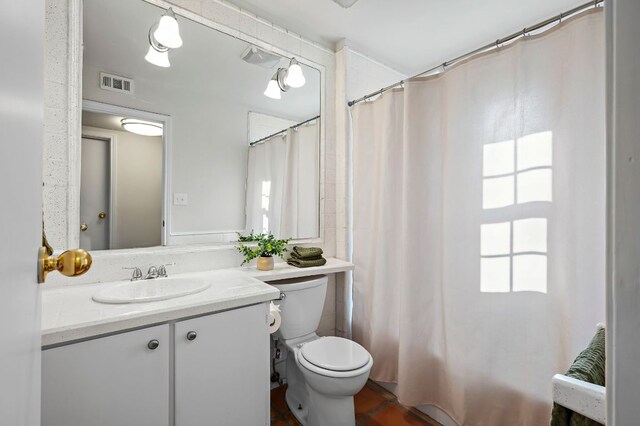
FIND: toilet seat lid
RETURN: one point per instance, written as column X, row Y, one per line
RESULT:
column 335, row 353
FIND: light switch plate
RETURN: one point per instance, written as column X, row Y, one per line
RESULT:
column 180, row 199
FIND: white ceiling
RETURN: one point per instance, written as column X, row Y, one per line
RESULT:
column 408, row 35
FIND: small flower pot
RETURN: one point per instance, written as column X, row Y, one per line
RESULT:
column 265, row 263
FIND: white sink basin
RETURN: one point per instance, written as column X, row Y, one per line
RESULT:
column 150, row 290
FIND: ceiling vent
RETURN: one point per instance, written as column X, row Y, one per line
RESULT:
column 346, row 3
column 262, row 58
column 116, row 83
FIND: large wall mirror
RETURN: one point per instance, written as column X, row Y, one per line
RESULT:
column 192, row 143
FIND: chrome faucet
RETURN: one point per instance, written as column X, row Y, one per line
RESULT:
column 151, row 273
column 156, row 272
column 162, row 271
column 137, row 273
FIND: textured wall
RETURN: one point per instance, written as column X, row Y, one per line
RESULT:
column 356, row 76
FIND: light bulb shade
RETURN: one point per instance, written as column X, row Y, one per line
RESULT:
column 273, row 90
column 295, row 78
column 155, row 57
column 141, row 127
column 168, row 31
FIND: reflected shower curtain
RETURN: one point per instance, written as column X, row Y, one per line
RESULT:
column 283, row 184
column 479, row 226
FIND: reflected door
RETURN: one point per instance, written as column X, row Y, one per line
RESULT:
column 95, row 193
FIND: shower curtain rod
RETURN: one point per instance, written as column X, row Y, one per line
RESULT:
column 284, row 130
column 558, row 18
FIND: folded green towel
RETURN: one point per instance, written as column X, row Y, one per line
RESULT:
column 297, row 257
column 589, row 366
column 301, row 263
column 306, row 252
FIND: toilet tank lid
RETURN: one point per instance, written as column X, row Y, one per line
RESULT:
column 335, row 353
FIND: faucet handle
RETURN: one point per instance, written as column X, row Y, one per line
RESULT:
column 162, row 271
column 137, row 273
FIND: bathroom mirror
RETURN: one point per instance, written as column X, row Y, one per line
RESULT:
column 216, row 156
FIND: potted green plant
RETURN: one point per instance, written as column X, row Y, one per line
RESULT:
column 266, row 246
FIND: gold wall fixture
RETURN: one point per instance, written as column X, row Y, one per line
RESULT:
column 71, row 263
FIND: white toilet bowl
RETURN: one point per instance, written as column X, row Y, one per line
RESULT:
column 321, row 393
column 323, row 373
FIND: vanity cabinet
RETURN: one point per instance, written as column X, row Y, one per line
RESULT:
column 222, row 369
column 208, row 370
column 110, row 381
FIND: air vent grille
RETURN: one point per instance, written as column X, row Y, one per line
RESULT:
column 116, row 83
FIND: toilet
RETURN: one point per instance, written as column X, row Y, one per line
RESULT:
column 323, row 373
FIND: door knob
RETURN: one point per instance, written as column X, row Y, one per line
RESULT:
column 102, row 215
column 70, row 263
column 192, row 335
column 84, row 227
column 153, row 344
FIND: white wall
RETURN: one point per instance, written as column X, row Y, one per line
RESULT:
column 208, row 149
column 263, row 125
column 623, row 284
column 366, row 75
column 357, row 75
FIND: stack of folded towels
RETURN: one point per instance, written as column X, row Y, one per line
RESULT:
column 305, row 257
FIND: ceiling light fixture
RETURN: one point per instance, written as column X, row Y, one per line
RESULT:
column 167, row 32
column 141, row 127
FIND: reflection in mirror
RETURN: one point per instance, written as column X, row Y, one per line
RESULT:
column 236, row 159
column 121, row 185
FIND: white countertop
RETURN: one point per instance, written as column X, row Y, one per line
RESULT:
column 283, row 271
column 69, row 312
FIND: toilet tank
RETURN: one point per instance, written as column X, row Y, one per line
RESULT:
column 301, row 307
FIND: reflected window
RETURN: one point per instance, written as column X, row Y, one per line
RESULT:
column 266, row 196
column 513, row 251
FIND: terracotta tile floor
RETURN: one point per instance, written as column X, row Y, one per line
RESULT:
column 373, row 404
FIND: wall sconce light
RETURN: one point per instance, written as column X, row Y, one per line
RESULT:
column 157, row 54
column 167, row 32
column 294, row 77
column 284, row 79
column 141, row 127
column 163, row 36
column 273, row 88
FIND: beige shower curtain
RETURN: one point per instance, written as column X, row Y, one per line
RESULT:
column 479, row 226
column 283, row 181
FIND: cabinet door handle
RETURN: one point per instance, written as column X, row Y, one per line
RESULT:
column 153, row 344
column 192, row 335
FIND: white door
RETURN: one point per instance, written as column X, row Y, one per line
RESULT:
column 95, row 193
column 222, row 371
column 120, row 380
column 21, row 121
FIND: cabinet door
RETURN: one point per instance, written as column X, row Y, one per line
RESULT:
column 110, row 381
column 222, row 375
